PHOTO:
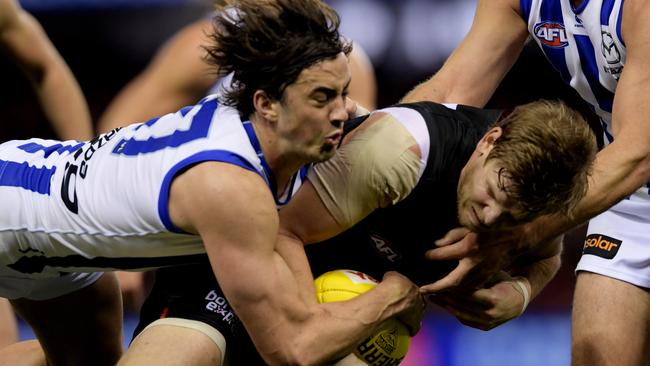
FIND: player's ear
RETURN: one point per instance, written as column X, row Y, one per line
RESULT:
column 487, row 141
column 264, row 105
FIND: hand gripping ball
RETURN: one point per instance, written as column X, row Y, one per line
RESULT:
column 388, row 346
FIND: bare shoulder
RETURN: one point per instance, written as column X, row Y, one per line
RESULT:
column 214, row 191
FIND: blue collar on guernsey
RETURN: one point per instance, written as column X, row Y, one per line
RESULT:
column 252, row 137
column 301, row 174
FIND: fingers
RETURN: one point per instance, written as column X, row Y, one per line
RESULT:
column 466, row 246
column 452, row 251
column 469, row 316
column 412, row 318
column 476, row 310
column 452, row 236
column 475, row 301
column 452, row 280
column 413, row 302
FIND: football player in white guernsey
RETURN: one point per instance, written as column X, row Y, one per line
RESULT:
column 22, row 38
column 204, row 179
column 602, row 49
column 177, row 76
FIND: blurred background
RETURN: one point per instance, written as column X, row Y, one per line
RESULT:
column 108, row 42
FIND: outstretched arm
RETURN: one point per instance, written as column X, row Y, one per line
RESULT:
column 477, row 66
column 55, row 86
column 624, row 165
column 240, row 239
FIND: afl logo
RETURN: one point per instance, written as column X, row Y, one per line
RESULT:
column 384, row 248
column 551, row 34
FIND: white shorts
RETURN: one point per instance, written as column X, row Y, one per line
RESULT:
column 16, row 285
column 618, row 241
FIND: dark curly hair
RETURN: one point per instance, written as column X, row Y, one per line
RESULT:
column 267, row 43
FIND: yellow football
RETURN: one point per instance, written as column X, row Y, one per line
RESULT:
column 389, row 345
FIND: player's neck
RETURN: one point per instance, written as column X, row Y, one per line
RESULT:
column 576, row 3
column 282, row 164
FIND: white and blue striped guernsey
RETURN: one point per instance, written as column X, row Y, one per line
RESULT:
column 103, row 204
column 584, row 45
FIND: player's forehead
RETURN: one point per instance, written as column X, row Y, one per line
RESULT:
column 499, row 183
column 504, row 193
column 333, row 73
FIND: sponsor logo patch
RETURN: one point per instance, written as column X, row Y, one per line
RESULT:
column 219, row 305
column 601, row 245
column 551, row 34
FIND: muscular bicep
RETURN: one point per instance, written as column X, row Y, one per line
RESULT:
column 235, row 215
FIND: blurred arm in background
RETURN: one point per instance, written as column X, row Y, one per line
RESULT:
column 22, row 37
column 178, row 76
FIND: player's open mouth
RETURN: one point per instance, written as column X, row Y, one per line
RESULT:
column 334, row 139
column 475, row 220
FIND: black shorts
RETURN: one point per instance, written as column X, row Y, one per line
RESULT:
column 192, row 292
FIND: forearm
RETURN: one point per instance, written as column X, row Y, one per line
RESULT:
column 321, row 333
column 348, row 323
column 54, row 84
column 537, row 272
column 287, row 331
column 618, row 172
column 477, row 66
column 64, row 104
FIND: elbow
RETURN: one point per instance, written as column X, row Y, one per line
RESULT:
column 299, row 347
column 295, row 355
column 639, row 157
column 640, row 172
column 305, row 350
column 644, row 168
column 305, row 343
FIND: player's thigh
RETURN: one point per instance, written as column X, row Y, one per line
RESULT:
column 26, row 353
column 173, row 345
column 611, row 321
column 83, row 327
column 8, row 327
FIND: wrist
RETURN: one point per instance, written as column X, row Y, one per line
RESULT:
column 522, row 285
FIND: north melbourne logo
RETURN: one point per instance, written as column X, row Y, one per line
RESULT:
column 610, row 51
column 612, row 55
